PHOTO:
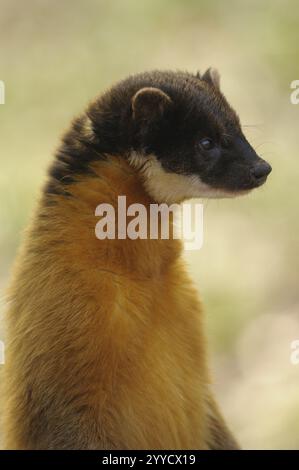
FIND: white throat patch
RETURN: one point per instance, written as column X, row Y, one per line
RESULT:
column 170, row 187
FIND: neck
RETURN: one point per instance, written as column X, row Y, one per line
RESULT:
column 71, row 222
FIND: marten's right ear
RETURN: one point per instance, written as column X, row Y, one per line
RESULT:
column 149, row 104
column 212, row 77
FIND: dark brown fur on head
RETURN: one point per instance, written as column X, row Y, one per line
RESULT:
column 180, row 119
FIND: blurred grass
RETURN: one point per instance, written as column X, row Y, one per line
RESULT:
column 55, row 56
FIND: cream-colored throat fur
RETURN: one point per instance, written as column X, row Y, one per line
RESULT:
column 170, row 187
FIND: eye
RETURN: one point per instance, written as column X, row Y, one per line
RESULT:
column 207, row 144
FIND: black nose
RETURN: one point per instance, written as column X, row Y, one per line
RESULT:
column 261, row 170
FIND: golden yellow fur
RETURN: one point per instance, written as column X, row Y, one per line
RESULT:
column 106, row 347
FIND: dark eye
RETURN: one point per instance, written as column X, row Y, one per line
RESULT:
column 207, row 144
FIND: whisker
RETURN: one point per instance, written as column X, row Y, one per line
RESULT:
column 252, row 125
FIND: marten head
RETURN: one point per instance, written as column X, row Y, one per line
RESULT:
column 177, row 129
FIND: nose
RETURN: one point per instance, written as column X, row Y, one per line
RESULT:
column 261, row 170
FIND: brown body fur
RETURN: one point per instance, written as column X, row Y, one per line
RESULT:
column 106, row 351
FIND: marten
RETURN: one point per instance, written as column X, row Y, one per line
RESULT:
column 105, row 341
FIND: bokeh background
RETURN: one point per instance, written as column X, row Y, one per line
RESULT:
column 56, row 55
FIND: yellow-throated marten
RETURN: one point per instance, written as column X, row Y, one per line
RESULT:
column 106, row 348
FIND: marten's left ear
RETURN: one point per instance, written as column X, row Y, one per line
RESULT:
column 149, row 104
column 212, row 76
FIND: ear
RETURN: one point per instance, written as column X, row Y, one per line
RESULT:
column 212, row 77
column 149, row 104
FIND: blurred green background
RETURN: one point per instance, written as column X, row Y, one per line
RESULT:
column 56, row 55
